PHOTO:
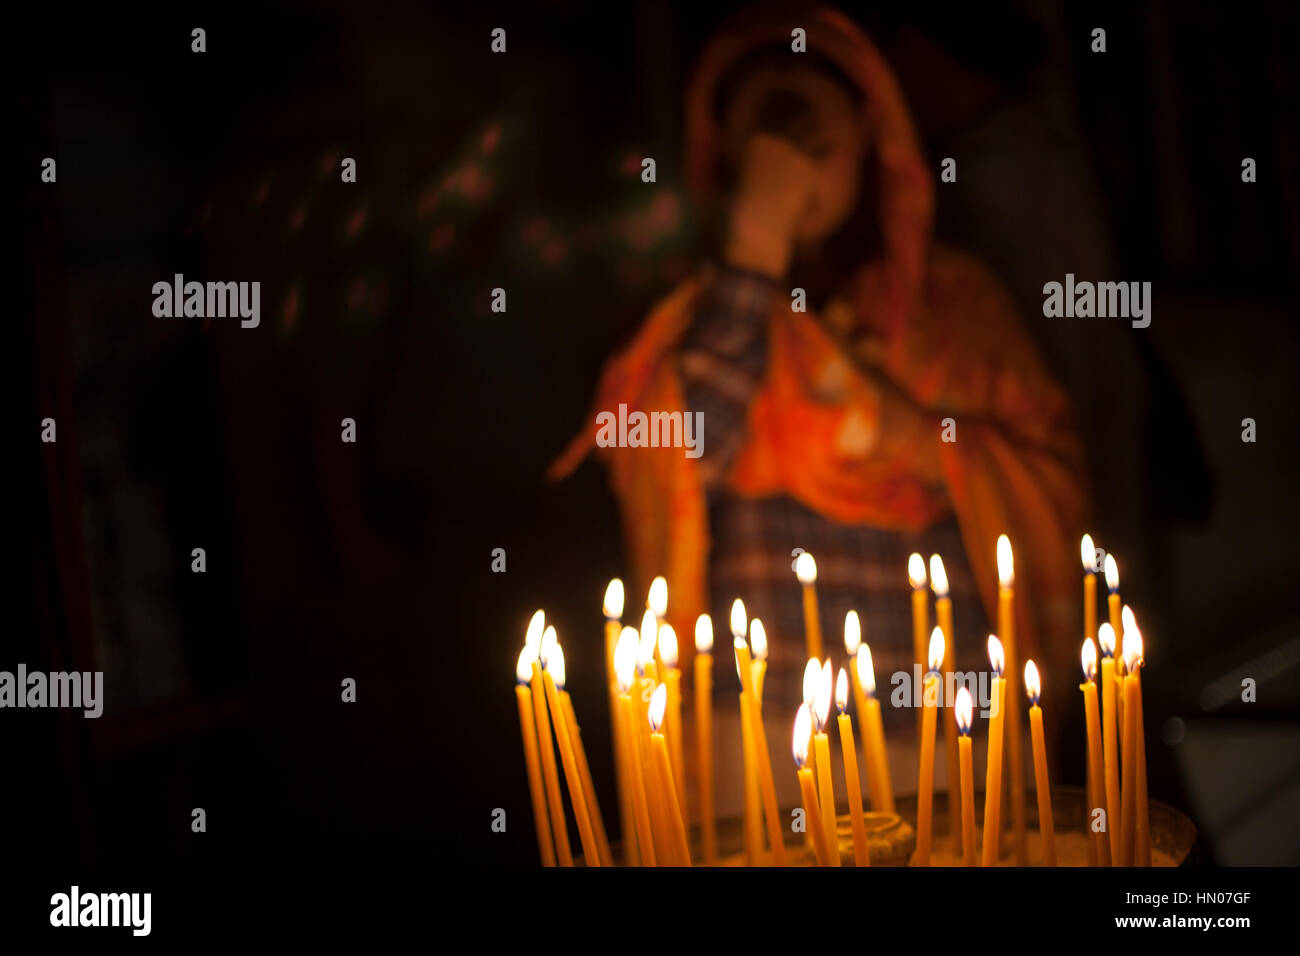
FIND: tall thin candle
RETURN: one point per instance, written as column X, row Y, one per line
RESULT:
column 808, row 790
column 546, row 745
column 943, row 615
column 1044, row 792
column 873, row 734
column 557, row 670
column 1096, row 770
column 962, row 710
column 852, row 643
column 825, row 784
column 766, row 785
column 1142, row 850
column 532, row 760
column 673, row 715
column 805, row 568
column 1132, row 714
column 1117, row 625
column 552, row 661
column 1110, row 729
column 861, row 854
column 920, row 617
column 658, row 704
column 613, row 610
column 1015, row 740
column 993, row 770
column 925, row 785
column 1088, row 554
column 704, row 734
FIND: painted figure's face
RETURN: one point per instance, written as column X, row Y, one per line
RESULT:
column 814, row 112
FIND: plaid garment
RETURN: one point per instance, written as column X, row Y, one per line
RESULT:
column 754, row 539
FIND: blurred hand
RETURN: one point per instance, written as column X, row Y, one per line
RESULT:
column 773, row 190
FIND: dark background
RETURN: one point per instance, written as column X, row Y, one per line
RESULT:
column 372, row 560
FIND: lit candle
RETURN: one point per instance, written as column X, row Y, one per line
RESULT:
column 528, row 730
column 920, row 617
column 1088, row 554
column 963, row 709
column 821, row 744
column 1110, row 740
column 1132, row 715
column 1117, row 625
column 873, row 734
column 805, row 569
column 625, row 661
column 647, row 651
column 993, row 770
column 925, row 786
column 852, row 644
column 767, row 786
column 1142, row 850
column 861, row 856
column 1096, row 771
column 943, row 616
column 753, row 815
column 812, row 816
column 812, row 677
column 659, row 746
column 758, row 649
column 557, row 671
column 1015, row 742
column 1045, row 829
column 704, row 733
column 656, row 603
column 553, row 657
column 673, row 717
column 550, row 774
column 613, row 609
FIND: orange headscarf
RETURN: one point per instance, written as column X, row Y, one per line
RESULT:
column 929, row 322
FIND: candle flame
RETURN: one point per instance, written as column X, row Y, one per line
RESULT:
column 614, row 600
column 1127, row 619
column 936, row 648
column 997, row 660
column 658, row 702
column 704, row 634
column 758, row 640
column 524, row 666
column 1106, row 638
column 963, row 708
column 548, row 645
column 625, row 658
column 805, row 568
column 1132, row 648
column 842, row 690
column 1088, row 553
column 802, row 731
column 668, row 646
column 1006, row 563
column 916, row 570
column 938, row 577
column 866, row 671
column 1112, row 574
column 739, row 624
column 649, row 634
column 1032, row 684
column 1089, row 660
column 812, row 673
column 852, row 632
column 555, row 664
column 536, row 624
column 822, row 699
column 738, row 645
column 657, row 601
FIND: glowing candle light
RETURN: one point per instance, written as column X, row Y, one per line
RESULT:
column 812, row 815
column 704, row 734
column 821, row 712
column 753, row 815
column 758, row 649
column 962, row 710
column 1088, row 554
column 925, row 786
column 852, row 644
column 882, row 793
column 1045, row 828
column 1015, row 742
column 532, row 760
column 1096, row 770
column 556, row 668
column 993, row 770
column 656, row 603
column 920, row 616
column 1110, row 740
column 552, row 661
column 763, row 758
column 625, row 661
column 805, row 569
column 550, row 774
column 1117, row 625
column 1142, row 826
column 646, row 655
column 613, row 610
column 658, row 703
column 647, row 680
column 943, row 616
column 673, row 715
column 861, row 856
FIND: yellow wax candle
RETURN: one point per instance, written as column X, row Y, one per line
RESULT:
column 920, row 617
column 1088, row 554
column 873, row 735
column 758, row 650
column 805, row 568
column 821, row 744
column 656, row 603
column 613, row 610
column 812, row 815
column 943, row 616
column 625, row 657
column 753, row 813
column 659, row 746
column 767, row 787
column 1015, row 739
column 852, row 644
column 1096, row 770
column 584, row 775
column 553, row 661
column 659, row 800
column 1142, row 825
column 993, row 770
column 528, row 730
column 1110, row 740
column 550, row 775
column 1132, row 700
column 704, row 734
column 925, row 785
column 1045, row 828
column 673, row 716
column 1116, row 623
column 963, row 711
column 861, row 850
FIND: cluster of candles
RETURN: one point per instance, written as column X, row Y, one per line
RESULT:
column 645, row 702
